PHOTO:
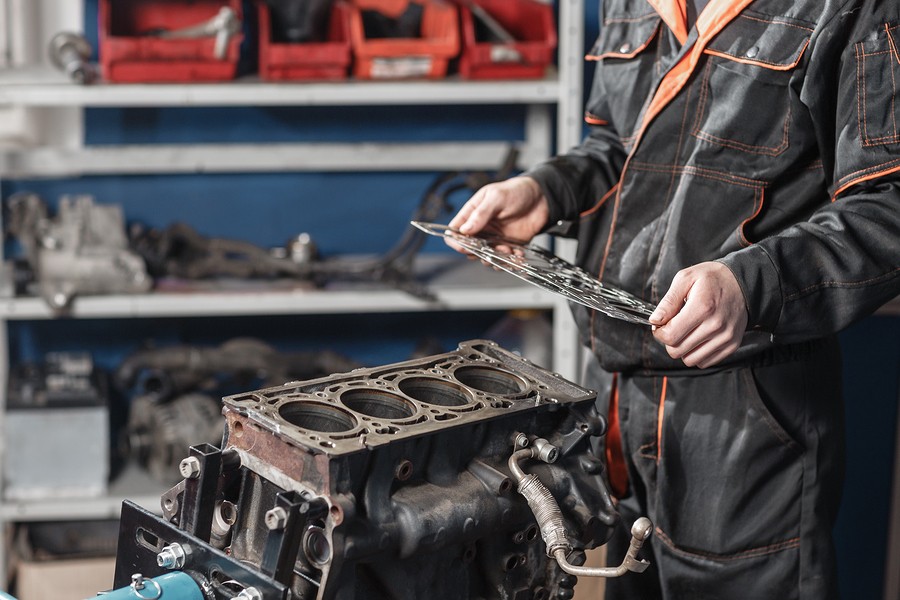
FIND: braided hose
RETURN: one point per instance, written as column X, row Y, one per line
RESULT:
column 550, row 520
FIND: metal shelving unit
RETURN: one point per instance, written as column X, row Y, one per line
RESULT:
column 49, row 111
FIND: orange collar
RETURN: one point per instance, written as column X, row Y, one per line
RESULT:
column 714, row 17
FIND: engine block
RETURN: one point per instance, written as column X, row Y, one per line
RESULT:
column 383, row 483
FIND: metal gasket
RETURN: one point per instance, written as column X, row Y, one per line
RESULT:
column 546, row 270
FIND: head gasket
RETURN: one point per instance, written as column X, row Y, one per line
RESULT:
column 546, row 270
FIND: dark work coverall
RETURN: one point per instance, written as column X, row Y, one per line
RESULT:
column 765, row 137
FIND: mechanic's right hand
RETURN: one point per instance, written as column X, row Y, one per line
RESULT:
column 515, row 208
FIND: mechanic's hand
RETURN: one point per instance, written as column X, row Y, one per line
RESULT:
column 702, row 317
column 515, row 208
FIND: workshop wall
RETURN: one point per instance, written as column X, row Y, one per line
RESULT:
column 348, row 212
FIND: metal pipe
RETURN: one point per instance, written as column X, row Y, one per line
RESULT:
column 549, row 517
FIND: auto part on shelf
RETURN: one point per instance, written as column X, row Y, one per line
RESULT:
column 175, row 393
column 70, row 52
column 386, row 482
column 223, row 26
column 548, row 271
column 181, row 252
column 83, row 250
column 65, row 399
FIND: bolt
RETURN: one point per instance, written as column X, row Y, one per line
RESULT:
column 522, row 441
column 171, row 557
column 137, row 581
column 190, row 467
column 276, row 518
column 546, row 451
column 250, row 593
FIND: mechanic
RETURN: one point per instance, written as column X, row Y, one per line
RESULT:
column 742, row 173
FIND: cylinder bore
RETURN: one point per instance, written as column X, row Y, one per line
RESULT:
column 491, row 380
column 378, row 403
column 316, row 416
column 432, row 390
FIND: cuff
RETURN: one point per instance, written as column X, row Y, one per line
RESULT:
column 761, row 284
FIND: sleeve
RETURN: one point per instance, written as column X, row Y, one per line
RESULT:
column 575, row 181
column 843, row 262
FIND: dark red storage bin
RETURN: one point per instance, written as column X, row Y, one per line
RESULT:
column 129, row 55
column 530, row 23
column 329, row 59
column 427, row 56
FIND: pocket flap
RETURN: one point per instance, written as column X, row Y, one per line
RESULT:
column 625, row 37
column 769, row 42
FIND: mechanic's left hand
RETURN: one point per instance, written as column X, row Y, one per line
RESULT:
column 703, row 316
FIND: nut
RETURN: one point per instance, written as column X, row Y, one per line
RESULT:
column 276, row 518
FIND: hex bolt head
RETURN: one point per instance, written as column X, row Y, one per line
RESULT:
column 250, row 593
column 276, row 518
column 171, row 557
column 190, row 467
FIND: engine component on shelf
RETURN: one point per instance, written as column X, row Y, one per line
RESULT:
column 66, row 400
column 70, row 52
column 176, row 393
column 223, row 26
column 158, row 432
column 179, row 251
column 539, row 267
column 387, row 482
column 83, row 250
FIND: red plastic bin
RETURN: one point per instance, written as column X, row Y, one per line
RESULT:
column 529, row 22
column 395, row 58
column 329, row 59
column 128, row 54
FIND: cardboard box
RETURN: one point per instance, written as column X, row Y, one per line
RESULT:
column 74, row 579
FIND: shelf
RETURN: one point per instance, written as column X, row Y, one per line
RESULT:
column 41, row 86
column 458, row 284
column 259, row 158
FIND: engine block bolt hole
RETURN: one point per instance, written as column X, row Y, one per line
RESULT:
column 316, row 546
column 432, row 390
column 378, row 403
column 512, row 561
column 404, row 470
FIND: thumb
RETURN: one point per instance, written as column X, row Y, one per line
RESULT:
column 671, row 303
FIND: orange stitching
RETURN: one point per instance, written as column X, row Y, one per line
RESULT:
column 751, row 553
column 891, row 42
column 777, row 22
column 772, row 66
column 873, row 168
column 600, row 202
column 859, row 95
column 894, row 86
column 734, row 144
column 624, row 55
column 841, row 284
column 701, row 172
column 701, row 102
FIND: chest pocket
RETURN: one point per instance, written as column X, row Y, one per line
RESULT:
column 744, row 100
column 627, row 51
